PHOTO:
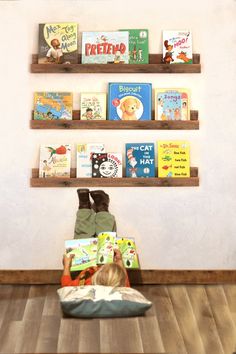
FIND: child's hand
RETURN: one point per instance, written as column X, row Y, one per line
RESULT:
column 67, row 260
column 117, row 256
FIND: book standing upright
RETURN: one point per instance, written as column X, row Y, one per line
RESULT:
column 177, row 47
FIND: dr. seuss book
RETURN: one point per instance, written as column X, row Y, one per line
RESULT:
column 84, row 158
column 105, row 47
column 172, row 104
column 173, row 159
column 53, row 105
column 140, row 160
column 129, row 101
column 55, row 161
column 177, row 47
column 93, row 106
column 138, row 46
column 107, row 165
column 58, row 43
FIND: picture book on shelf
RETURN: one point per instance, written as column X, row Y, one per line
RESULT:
column 177, row 47
column 138, row 46
column 97, row 251
column 129, row 101
column 53, row 105
column 173, row 158
column 58, row 43
column 105, row 47
column 107, row 165
column 84, row 158
column 140, row 160
column 172, row 104
column 55, row 161
column 93, row 106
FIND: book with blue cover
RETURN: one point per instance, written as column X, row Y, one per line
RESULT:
column 140, row 160
column 129, row 101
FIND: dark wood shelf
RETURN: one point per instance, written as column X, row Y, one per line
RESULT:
column 192, row 181
column 155, row 66
column 76, row 123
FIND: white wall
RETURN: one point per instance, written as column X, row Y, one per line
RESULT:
column 188, row 227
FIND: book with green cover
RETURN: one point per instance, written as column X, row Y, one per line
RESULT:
column 138, row 46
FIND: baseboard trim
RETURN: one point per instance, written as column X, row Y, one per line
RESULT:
column 138, row 277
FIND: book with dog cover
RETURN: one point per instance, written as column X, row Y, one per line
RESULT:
column 55, row 161
column 107, row 165
column 140, row 160
column 172, row 104
column 53, row 105
column 84, row 158
column 105, row 47
column 173, row 158
column 93, row 106
column 138, row 46
column 129, row 101
column 177, row 47
column 58, row 43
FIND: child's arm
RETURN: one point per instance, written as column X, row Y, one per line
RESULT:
column 66, row 277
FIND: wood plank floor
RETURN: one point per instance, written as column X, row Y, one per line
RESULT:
column 183, row 319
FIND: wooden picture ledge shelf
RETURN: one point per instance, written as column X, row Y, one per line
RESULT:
column 192, row 181
column 155, row 66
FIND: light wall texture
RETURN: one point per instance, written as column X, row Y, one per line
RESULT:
column 174, row 228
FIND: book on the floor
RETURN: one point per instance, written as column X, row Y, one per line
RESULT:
column 105, row 47
column 107, row 165
column 172, row 104
column 93, row 106
column 100, row 250
column 177, row 47
column 173, row 158
column 138, row 46
column 55, row 161
column 53, row 105
column 84, row 158
column 58, row 43
column 140, row 160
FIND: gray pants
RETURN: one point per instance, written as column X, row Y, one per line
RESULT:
column 89, row 224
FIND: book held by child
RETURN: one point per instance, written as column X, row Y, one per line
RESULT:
column 55, row 161
column 177, row 47
column 53, row 105
column 93, row 106
column 140, row 160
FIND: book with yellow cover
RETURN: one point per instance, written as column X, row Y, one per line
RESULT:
column 173, row 158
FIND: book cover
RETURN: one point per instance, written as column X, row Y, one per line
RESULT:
column 105, row 250
column 105, row 47
column 172, row 104
column 58, row 43
column 107, row 165
column 177, row 47
column 93, row 106
column 55, row 161
column 84, row 158
column 140, row 160
column 53, row 105
column 173, row 158
column 129, row 101
column 128, row 251
column 84, row 251
column 138, row 46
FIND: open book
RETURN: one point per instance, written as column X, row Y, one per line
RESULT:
column 92, row 251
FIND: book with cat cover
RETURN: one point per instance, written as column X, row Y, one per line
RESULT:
column 140, row 160
column 107, row 165
column 84, row 158
column 93, row 106
column 138, row 46
column 53, row 105
column 173, row 158
column 177, row 47
column 55, row 161
column 105, row 47
column 58, row 43
column 172, row 104
column 129, row 101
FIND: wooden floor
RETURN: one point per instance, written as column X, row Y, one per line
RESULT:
column 183, row 319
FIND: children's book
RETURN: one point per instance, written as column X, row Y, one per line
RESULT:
column 129, row 101
column 107, row 165
column 105, row 47
column 85, row 251
column 172, row 104
column 53, row 105
column 140, row 160
column 138, row 46
column 58, row 43
column 55, row 161
column 173, row 158
column 84, row 158
column 177, row 47
column 93, row 106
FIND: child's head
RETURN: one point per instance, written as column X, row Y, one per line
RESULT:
column 55, row 43
column 110, row 274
